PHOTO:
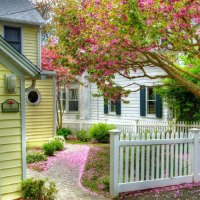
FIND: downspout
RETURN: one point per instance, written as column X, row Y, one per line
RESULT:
column 32, row 86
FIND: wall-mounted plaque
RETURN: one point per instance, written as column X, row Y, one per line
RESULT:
column 10, row 106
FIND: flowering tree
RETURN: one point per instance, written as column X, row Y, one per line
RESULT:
column 126, row 37
column 50, row 62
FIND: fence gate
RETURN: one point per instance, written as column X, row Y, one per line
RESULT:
column 143, row 161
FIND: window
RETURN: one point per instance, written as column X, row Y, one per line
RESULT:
column 63, row 99
column 112, row 107
column 73, row 100
column 151, row 101
column 33, row 97
column 13, row 36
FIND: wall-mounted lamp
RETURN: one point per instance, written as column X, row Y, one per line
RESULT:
column 10, row 84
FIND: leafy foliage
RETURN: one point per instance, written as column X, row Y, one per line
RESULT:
column 59, row 146
column 39, row 189
column 49, row 148
column 185, row 106
column 83, row 136
column 65, row 132
column 35, row 157
column 60, row 138
column 106, row 182
column 100, row 132
column 123, row 37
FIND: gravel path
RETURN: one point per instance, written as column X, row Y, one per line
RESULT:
column 66, row 171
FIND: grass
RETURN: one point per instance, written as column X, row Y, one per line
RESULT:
column 96, row 169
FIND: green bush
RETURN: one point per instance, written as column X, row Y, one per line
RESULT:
column 39, row 189
column 106, row 182
column 65, row 132
column 49, row 149
column 83, row 136
column 60, row 138
column 100, row 132
column 35, row 157
column 59, row 146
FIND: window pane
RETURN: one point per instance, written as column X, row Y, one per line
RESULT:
column 112, row 107
column 151, row 107
column 151, row 94
column 12, row 34
column 73, row 105
column 16, row 45
column 73, row 94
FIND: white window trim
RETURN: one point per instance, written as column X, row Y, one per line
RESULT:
column 67, row 99
column 109, row 109
column 149, row 115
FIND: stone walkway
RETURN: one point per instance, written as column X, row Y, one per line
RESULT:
column 66, row 172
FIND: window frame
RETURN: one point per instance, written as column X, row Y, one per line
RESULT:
column 16, row 28
column 68, row 98
column 62, row 99
column 109, row 108
column 147, row 100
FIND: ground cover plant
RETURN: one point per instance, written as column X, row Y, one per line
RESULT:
column 96, row 173
column 65, row 132
column 39, row 189
column 100, row 132
column 83, row 136
column 35, row 157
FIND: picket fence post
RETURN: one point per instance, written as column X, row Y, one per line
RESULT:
column 114, row 159
column 196, row 158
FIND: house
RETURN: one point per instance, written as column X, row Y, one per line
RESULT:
column 80, row 103
column 27, row 93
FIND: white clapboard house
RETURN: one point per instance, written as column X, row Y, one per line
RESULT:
column 80, row 104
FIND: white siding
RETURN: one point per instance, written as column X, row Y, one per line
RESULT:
column 93, row 107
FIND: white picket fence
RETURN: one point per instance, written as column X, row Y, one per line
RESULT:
column 136, row 126
column 143, row 161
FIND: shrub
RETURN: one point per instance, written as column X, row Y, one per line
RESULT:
column 39, row 189
column 60, row 138
column 106, row 182
column 83, row 136
column 100, row 132
column 65, row 132
column 35, row 157
column 59, row 146
column 49, row 149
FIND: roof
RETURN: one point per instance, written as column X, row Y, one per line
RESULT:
column 21, row 11
column 22, row 63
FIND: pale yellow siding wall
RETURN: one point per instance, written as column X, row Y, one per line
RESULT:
column 10, row 146
column 30, row 47
column 30, row 41
column 40, row 119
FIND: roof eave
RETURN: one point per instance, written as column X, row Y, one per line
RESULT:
column 23, row 21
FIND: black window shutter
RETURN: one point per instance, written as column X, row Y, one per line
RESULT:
column 105, row 106
column 143, row 102
column 158, row 106
column 118, row 107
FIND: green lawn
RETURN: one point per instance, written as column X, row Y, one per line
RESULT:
column 95, row 176
column 97, row 168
